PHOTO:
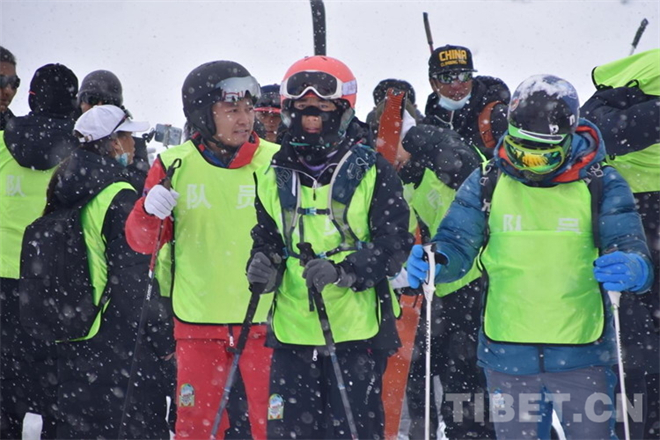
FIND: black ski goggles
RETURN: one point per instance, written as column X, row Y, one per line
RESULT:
column 12, row 81
column 324, row 85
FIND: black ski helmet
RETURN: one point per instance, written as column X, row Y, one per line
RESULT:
column 544, row 108
column 101, row 87
column 206, row 85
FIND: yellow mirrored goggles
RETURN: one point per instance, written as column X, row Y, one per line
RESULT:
column 539, row 158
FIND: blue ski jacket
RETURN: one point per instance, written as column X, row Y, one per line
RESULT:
column 463, row 232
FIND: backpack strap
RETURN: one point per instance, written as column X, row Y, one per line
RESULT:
column 594, row 181
column 347, row 176
column 485, row 128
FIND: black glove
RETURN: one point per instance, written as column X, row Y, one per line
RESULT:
column 319, row 273
column 261, row 273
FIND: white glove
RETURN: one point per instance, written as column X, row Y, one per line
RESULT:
column 160, row 201
column 407, row 122
column 401, row 280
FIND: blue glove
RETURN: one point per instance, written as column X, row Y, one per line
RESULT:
column 418, row 267
column 621, row 271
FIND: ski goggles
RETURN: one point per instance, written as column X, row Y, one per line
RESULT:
column 236, row 88
column 322, row 84
column 450, row 77
column 537, row 157
column 12, row 81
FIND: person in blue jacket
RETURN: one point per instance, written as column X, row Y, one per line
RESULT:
column 554, row 230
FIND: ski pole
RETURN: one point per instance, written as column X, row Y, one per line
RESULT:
column 615, row 300
column 427, row 28
column 167, row 183
column 429, row 293
column 306, row 255
column 638, row 35
column 318, row 26
column 240, row 346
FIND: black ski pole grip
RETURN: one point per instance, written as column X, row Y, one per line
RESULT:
column 167, row 180
column 306, row 253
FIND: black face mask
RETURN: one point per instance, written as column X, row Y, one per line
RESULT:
column 314, row 148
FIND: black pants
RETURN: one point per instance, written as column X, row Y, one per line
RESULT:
column 305, row 401
column 28, row 372
column 455, row 324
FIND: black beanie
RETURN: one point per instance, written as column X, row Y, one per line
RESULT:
column 53, row 90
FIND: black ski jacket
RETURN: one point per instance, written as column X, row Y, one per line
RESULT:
column 465, row 121
column 441, row 150
column 92, row 373
column 40, row 141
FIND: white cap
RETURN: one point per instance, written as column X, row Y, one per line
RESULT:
column 103, row 120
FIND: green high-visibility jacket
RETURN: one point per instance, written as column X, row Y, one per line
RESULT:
column 353, row 316
column 430, row 201
column 204, row 267
column 22, row 201
column 92, row 217
column 539, row 304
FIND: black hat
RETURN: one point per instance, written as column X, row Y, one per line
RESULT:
column 53, row 90
column 269, row 100
column 101, row 87
column 450, row 59
column 381, row 89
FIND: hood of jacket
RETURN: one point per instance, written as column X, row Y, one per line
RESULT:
column 83, row 175
column 40, row 141
column 587, row 148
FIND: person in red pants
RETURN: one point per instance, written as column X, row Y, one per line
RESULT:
column 207, row 215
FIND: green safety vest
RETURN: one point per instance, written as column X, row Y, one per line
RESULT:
column 203, row 269
column 353, row 315
column 92, row 217
column 640, row 70
column 641, row 169
column 538, row 303
column 430, row 202
column 22, row 201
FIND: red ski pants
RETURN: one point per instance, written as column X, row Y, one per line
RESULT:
column 203, row 366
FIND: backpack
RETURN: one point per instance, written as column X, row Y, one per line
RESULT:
column 56, row 294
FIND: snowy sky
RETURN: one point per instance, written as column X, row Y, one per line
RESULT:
column 152, row 45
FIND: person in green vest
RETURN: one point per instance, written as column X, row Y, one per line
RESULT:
column 92, row 371
column 31, row 146
column 626, row 108
column 432, row 163
column 558, row 229
column 206, row 217
column 327, row 191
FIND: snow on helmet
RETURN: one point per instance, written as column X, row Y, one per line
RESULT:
column 101, row 87
column 326, row 77
column 212, row 82
column 544, row 108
